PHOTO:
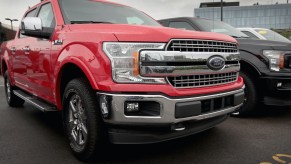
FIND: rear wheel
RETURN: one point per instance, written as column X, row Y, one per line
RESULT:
column 82, row 120
column 251, row 97
column 12, row 99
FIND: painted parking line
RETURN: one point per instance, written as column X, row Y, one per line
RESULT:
column 280, row 158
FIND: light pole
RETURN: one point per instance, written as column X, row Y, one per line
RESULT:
column 221, row 10
column 11, row 21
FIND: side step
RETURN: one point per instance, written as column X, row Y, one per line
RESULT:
column 43, row 106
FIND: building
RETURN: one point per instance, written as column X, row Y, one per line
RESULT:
column 6, row 33
column 276, row 16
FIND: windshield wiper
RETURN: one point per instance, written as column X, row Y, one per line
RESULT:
column 90, row 22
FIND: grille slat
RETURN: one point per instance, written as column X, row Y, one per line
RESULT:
column 202, row 46
column 203, row 80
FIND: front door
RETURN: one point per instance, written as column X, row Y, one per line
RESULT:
column 40, row 73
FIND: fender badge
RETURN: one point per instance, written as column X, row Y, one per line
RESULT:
column 58, row 42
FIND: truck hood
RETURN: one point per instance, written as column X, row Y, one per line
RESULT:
column 137, row 33
column 257, row 46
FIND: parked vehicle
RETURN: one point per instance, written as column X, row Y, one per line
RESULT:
column 117, row 74
column 265, row 34
column 265, row 65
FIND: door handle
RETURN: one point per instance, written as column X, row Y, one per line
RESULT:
column 26, row 49
column 12, row 49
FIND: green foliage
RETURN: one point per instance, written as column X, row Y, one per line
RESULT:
column 285, row 33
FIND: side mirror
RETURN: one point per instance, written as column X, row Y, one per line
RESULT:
column 32, row 26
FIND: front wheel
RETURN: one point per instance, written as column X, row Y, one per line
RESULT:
column 251, row 97
column 82, row 120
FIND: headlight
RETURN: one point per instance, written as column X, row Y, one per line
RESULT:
column 125, row 61
column 276, row 59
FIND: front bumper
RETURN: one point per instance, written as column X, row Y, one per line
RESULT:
column 277, row 90
column 173, row 113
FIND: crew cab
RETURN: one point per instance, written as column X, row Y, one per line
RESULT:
column 117, row 74
column 265, row 65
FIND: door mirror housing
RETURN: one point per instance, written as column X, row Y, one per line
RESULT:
column 32, row 26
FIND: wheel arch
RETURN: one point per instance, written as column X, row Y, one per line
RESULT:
column 66, row 73
column 249, row 68
column 3, row 67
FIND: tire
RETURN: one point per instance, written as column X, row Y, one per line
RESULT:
column 82, row 120
column 251, row 97
column 11, row 98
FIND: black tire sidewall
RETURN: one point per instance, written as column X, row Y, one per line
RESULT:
column 250, row 104
column 94, row 120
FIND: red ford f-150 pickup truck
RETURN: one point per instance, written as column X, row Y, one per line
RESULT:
column 117, row 74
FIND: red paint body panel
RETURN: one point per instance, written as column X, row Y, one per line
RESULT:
column 40, row 71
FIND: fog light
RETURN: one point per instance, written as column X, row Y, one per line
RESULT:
column 279, row 85
column 132, row 107
column 104, row 105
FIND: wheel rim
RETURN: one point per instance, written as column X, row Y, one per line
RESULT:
column 77, row 122
column 8, row 90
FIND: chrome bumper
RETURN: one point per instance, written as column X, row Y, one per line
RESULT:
column 167, row 108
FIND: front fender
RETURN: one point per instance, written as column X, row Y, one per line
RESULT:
column 82, row 57
column 254, row 61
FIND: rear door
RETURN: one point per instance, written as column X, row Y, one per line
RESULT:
column 20, row 56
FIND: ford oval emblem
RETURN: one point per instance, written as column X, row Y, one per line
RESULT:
column 216, row 63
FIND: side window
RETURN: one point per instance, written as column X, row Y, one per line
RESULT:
column 251, row 35
column 47, row 16
column 181, row 25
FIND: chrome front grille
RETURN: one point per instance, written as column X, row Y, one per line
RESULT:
column 203, row 80
column 202, row 46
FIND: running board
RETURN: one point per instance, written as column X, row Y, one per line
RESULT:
column 45, row 107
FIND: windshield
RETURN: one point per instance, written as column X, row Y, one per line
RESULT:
column 272, row 35
column 219, row 27
column 89, row 11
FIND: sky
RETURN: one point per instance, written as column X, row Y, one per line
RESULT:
column 158, row 9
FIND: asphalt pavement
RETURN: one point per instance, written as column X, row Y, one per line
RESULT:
column 30, row 136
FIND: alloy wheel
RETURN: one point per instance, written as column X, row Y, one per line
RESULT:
column 78, row 129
